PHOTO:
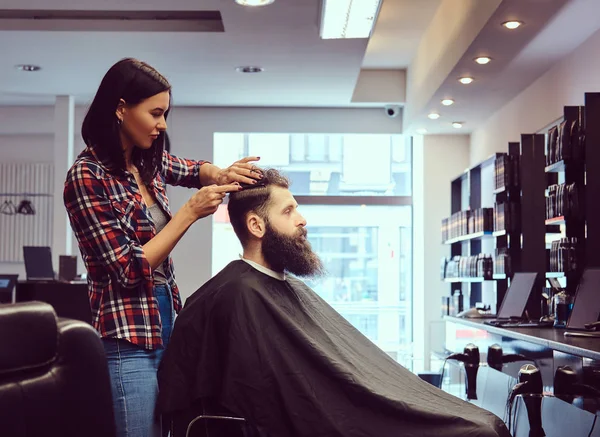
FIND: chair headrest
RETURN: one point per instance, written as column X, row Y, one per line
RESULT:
column 28, row 336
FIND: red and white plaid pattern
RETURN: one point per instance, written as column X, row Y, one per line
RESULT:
column 111, row 224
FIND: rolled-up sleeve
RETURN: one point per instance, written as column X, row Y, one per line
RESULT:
column 98, row 230
column 181, row 172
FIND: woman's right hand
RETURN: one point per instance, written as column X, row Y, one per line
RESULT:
column 207, row 199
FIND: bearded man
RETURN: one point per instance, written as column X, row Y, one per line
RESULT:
column 256, row 342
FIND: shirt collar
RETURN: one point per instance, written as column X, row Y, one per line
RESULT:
column 263, row 269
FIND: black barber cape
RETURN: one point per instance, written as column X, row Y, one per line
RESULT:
column 275, row 353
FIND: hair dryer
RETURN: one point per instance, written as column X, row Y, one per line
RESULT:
column 530, row 387
column 567, row 388
column 470, row 359
column 496, row 359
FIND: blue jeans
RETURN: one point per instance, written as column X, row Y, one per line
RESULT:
column 133, row 376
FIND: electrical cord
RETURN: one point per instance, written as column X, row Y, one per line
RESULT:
column 449, row 357
column 593, row 426
column 443, row 371
column 515, row 417
column 509, row 402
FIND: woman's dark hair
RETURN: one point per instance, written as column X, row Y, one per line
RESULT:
column 253, row 199
column 133, row 81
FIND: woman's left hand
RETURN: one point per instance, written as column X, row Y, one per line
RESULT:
column 242, row 171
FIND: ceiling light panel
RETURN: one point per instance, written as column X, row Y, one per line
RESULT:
column 348, row 18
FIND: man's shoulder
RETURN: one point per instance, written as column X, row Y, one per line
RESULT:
column 236, row 274
column 298, row 284
column 236, row 277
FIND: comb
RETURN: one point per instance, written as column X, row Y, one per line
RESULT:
column 259, row 183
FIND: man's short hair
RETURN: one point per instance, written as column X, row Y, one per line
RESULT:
column 253, row 199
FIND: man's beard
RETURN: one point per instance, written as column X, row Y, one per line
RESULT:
column 291, row 254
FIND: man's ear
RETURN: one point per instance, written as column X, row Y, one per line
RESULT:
column 120, row 112
column 256, row 225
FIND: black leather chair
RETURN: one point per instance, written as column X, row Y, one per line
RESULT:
column 53, row 375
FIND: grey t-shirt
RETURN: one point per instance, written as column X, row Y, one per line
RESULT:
column 160, row 220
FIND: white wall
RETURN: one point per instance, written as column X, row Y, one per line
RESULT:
column 27, row 132
column 542, row 102
column 34, row 147
column 26, row 148
column 27, row 135
column 437, row 160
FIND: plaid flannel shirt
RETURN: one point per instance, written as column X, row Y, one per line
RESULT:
column 111, row 223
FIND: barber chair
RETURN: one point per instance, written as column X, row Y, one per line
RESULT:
column 206, row 419
column 53, row 375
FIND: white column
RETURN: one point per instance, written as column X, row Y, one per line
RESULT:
column 64, row 120
column 437, row 160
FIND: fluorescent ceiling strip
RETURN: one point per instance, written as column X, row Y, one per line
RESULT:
column 348, row 18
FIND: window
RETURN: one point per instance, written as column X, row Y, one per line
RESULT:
column 327, row 165
column 354, row 191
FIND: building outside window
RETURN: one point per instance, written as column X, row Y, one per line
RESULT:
column 355, row 192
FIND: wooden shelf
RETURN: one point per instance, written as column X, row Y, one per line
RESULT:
column 557, row 167
column 555, row 275
column 499, row 233
column 556, row 221
column 474, row 236
column 476, row 279
column 499, row 276
column 499, row 190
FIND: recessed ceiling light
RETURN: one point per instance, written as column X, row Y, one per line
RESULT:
column 434, row 115
column 466, row 80
column 512, row 25
column 249, row 69
column 28, row 67
column 482, row 60
column 457, row 124
column 447, row 102
column 254, row 2
column 421, row 131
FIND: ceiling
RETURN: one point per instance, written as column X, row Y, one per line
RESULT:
column 300, row 68
column 434, row 40
column 553, row 29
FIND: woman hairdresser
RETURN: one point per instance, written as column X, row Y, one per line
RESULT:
column 117, row 204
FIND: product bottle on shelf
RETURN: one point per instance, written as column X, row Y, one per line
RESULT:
column 572, row 255
column 562, row 304
column 458, row 301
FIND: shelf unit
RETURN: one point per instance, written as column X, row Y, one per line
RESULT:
column 591, row 250
column 523, row 241
column 509, row 238
column 466, row 194
column 469, row 280
column 569, row 170
column 473, row 236
column 582, row 170
column 533, row 207
column 526, row 242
